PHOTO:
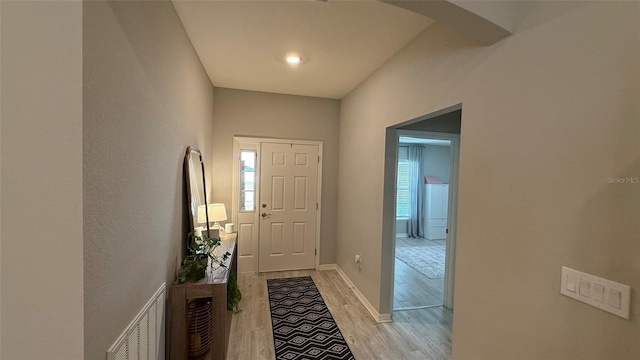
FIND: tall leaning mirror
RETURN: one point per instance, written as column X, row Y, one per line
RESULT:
column 196, row 192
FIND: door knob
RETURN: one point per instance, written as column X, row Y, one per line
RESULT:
column 264, row 215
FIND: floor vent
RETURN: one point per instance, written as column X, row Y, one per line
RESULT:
column 143, row 339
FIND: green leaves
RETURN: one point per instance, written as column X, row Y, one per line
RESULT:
column 233, row 293
column 194, row 264
column 193, row 268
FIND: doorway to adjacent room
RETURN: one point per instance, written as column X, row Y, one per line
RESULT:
column 398, row 271
column 423, row 177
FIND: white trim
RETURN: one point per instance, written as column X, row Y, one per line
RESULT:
column 380, row 318
column 324, row 267
column 239, row 144
column 452, row 224
column 402, row 235
column 159, row 299
column 319, row 201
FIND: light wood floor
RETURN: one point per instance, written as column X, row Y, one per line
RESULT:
column 416, row 334
column 412, row 288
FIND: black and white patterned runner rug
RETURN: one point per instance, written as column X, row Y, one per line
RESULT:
column 303, row 328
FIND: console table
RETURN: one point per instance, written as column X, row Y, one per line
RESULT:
column 213, row 286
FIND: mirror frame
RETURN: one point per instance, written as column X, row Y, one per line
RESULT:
column 190, row 154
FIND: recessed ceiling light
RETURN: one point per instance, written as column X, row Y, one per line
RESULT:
column 293, row 59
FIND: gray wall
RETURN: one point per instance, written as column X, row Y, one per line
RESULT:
column 437, row 162
column 259, row 114
column 146, row 97
column 548, row 115
column 41, row 167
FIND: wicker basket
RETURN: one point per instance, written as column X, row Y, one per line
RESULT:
column 200, row 318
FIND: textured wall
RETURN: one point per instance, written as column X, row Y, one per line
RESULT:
column 549, row 114
column 42, row 279
column 250, row 113
column 146, row 97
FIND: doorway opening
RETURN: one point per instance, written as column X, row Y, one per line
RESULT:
column 422, row 198
column 443, row 125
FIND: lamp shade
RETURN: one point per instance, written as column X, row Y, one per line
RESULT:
column 217, row 212
column 202, row 216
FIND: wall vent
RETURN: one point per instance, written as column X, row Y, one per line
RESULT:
column 143, row 339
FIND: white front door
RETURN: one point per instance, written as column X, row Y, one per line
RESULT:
column 287, row 206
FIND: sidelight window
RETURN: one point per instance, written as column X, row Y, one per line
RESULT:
column 247, row 180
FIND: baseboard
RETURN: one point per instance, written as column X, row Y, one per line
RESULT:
column 323, row 267
column 380, row 318
column 402, row 235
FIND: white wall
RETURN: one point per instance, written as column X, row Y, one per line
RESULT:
column 548, row 115
column 259, row 114
column 146, row 98
column 42, row 269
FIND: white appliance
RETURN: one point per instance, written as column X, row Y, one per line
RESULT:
column 436, row 211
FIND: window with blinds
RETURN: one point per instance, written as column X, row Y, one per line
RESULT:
column 402, row 191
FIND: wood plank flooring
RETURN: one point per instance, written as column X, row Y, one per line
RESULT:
column 415, row 334
column 412, row 288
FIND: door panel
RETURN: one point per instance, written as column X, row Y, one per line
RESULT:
column 245, row 239
column 299, row 232
column 277, row 192
column 288, row 197
column 300, row 193
column 276, row 238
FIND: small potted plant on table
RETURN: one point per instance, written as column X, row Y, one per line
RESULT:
column 201, row 249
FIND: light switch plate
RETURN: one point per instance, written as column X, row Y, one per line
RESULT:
column 598, row 292
column 571, row 283
column 602, row 293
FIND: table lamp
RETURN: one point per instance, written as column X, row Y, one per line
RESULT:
column 217, row 212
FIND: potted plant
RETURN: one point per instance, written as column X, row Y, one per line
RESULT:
column 233, row 293
column 194, row 264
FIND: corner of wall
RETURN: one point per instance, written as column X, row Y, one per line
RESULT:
column 378, row 317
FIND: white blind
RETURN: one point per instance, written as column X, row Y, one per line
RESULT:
column 402, row 189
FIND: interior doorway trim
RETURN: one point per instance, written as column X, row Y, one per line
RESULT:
column 387, row 262
column 248, row 230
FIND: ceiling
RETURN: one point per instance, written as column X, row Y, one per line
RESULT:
column 242, row 44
